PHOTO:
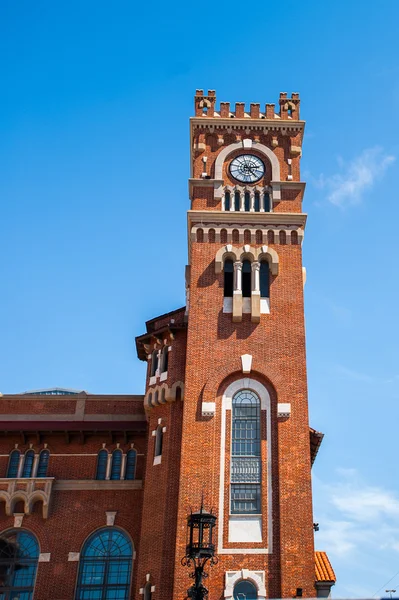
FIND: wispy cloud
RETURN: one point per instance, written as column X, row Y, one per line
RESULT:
column 346, row 187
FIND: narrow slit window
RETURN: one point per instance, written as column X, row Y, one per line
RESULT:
column 227, row 201
column 246, row 279
column 257, row 202
column 228, row 278
column 266, row 200
column 264, row 279
column 28, row 464
column 13, row 463
column 43, row 463
column 116, row 466
column 158, row 441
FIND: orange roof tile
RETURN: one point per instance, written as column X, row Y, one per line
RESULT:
column 324, row 570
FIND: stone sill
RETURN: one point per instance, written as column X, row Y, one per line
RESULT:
column 96, row 484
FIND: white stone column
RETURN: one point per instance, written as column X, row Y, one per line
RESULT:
column 252, row 201
column 232, row 199
column 238, row 276
column 255, row 276
column 262, row 201
column 242, row 201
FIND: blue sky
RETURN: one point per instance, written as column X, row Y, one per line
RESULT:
column 93, row 217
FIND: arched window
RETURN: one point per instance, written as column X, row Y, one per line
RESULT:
column 158, row 441
column 257, row 202
column 227, row 201
column 13, row 464
column 266, row 200
column 154, row 363
column 264, row 275
column 130, row 471
column 102, row 461
column 105, row 566
column 245, row 459
column 165, row 359
column 228, row 278
column 43, row 463
column 116, row 465
column 28, row 464
column 245, row 590
column 247, row 202
column 19, row 555
column 246, row 279
column 147, row 592
column 237, row 200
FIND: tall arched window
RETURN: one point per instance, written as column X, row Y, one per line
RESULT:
column 257, row 202
column 245, row 590
column 19, row 555
column 237, row 199
column 228, row 278
column 266, row 200
column 246, row 279
column 247, row 202
column 13, row 463
column 158, row 441
column 245, row 451
column 105, row 566
column 43, row 463
column 116, row 465
column 227, row 201
column 130, row 471
column 28, row 464
column 165, row 359
column 264, row 276
column 102, row 462
column 154, row 363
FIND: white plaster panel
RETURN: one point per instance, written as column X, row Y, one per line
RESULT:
column 73, row 556
column 157, row 460
column 246, row 363
column 245, row 529
column 283, row 409
column 44, row 557
column 227, row 305
column 208, row 409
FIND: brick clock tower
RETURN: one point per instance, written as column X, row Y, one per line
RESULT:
column 226, row 390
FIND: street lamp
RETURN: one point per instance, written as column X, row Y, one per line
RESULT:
column 199, row 550
column 390, row 592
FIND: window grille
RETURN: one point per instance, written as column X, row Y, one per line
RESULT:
column 245, row 460
column 13, row 464
column 105, row 567
column 28, row 464
column 18, row 563
column 43, row 463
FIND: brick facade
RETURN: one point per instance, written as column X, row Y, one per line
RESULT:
column 194, row 356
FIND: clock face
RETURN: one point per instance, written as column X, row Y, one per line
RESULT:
column 247, row 168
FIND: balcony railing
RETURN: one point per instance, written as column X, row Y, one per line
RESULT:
column 27, row 490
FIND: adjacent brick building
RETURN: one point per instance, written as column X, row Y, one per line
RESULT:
column 95, row 490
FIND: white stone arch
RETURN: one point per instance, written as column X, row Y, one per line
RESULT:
column 272, row 158
column 255, row 577
column 246, row 383
column 269, row 254
column 224, row 253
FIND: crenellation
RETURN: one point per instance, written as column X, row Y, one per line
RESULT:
column 205, row 106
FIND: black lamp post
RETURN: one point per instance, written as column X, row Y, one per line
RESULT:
column 199, row 550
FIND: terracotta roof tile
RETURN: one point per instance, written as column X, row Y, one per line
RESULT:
column 324, row 570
